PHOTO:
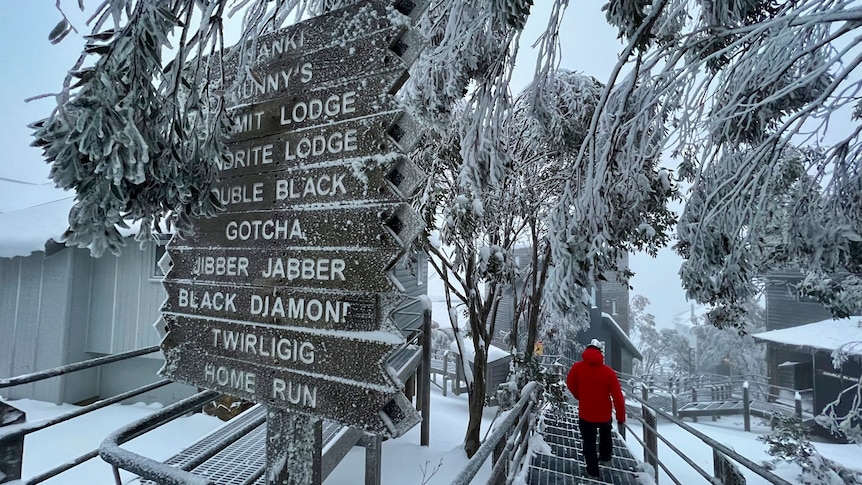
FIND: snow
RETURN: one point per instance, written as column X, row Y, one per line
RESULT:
column 27, row 230
column 403, row 459
column 494, row 353
column 729, row 432
column 830, row 335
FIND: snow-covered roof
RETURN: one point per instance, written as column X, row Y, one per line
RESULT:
column 31, row 215
column 494, row 353
column 608, row 320
column 27, row 230
column 826, row 335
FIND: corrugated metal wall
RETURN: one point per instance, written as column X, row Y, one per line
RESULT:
column 125, row 300
column 35, row 303
column 69, row 307
column 784, row 308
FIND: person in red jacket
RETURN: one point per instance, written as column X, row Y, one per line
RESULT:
column 594, row 385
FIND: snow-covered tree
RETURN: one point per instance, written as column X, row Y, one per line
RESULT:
column 738, row 86
column 481, row 227
column 646, row 337
column 745, row 356
column 843, row 416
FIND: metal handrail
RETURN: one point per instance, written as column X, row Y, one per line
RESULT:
column 19, row 430
column 529, row 397
column 25, row 428
column 673, row 448
column 145, row 467
column 65, row 369
column 715, row 445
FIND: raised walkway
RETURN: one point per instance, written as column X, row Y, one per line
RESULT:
column 566, row 466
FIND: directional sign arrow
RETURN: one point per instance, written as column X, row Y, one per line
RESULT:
column 325, row 226
column 317, row 106
column 388, row 179
column 347, row 270
column 355, row 356
column 364, row 407
column 280, row 305
column 324, row 144
column 355, row 60
column 334, row 28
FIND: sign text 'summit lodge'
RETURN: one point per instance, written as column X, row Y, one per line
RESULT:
column 285, row 298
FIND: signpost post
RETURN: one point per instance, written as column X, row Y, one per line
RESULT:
column 285, row 298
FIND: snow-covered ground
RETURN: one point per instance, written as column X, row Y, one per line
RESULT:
column 729, row 431
column 404, row 460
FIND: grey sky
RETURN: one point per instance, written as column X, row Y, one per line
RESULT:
column 32, row 66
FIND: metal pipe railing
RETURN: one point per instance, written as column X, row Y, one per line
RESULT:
column 53, row 472
column 16, row 430
column 673, row 448
column 715, row 445
column 528, row 395
column 655, row 455
column 65, row 369
column 145, row 467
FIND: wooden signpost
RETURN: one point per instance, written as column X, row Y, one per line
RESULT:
column 285, row 298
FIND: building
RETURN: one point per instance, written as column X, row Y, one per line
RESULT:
column 800, row 337
column 809, row 348
column 787, row 308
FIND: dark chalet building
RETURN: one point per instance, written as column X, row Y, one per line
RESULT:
column 800, row 337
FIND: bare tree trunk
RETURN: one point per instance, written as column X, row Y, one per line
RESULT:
column 539, row 277
column 476, row 395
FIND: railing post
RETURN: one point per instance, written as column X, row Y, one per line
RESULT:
column 693, row 399
column 373, row 458
column 725, row 471
column 456, row 384
column 746, row 407
column 797, row 398
column 650, row 439
column 445, row 371
column 674, row 405
column 714, row 397
column 425, row 379
column 496, row 455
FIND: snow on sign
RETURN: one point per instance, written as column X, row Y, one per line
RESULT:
column 388, row 180
column 375, row 409
column 345, row 311
column 286, row 298
column 368, row 225
column 320, row 354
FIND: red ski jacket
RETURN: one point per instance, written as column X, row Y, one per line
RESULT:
column 594, row 384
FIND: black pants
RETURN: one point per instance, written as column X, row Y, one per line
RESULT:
column 588, row 435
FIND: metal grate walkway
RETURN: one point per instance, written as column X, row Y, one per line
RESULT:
column 242, row 461
column 566, row 464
